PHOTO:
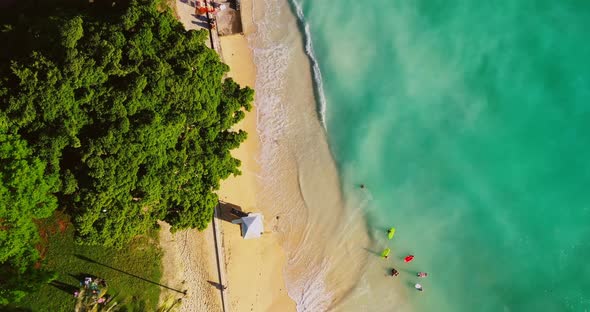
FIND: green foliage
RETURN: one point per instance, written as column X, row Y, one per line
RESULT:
column 135, row 119
column 87, row 301
column 115, row 114
column 25, row 195
column 16, row 284
column 71, row 31
column 129, row 272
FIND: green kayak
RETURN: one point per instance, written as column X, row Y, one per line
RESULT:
column 391, row 232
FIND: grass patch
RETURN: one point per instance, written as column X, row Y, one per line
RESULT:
column 73, row 262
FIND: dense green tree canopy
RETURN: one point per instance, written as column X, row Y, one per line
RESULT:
column 25, row 195
column 116, row 115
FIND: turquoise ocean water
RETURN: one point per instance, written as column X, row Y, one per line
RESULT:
column 469, row 122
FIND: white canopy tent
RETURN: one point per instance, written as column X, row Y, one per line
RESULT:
column 252, row 226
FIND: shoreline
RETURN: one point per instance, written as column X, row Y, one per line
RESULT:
column 297, row 264
column 300, row 178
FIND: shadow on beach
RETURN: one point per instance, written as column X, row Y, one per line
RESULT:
column 201, row 18
column 218, row 286
column 201, row 24
column 229, row 212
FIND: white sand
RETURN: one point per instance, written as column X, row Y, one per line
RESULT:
column 189, row 264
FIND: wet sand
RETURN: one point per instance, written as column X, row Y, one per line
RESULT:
column 324, row 238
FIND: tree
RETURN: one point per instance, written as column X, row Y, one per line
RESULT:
column 130, row 113
column 117, row 115
column 25, row 195
column 71, row 31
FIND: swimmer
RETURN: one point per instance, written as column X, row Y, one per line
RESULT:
column 394, row 272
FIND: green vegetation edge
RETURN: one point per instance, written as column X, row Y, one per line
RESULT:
column 114, row 116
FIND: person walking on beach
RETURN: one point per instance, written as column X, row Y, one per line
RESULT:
column 422, row 274
column 418, row 287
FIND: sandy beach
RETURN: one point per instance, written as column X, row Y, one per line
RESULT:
column 254, row 267
column 288, row 174
column 189, row 265
column 252, row 270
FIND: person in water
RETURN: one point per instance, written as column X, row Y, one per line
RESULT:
column 362, row 186
column 418, row 287
column 422, row 274
column 394, row 272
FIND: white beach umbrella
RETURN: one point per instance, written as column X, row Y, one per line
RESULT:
column 252, row 226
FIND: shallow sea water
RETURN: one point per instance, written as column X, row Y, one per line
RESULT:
column 469, row 123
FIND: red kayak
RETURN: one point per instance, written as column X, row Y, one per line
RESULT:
column 409, row 258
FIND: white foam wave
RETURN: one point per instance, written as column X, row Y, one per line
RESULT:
column 271, row 57
column 317, row 73
column 313, row 295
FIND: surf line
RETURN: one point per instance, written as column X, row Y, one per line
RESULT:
column 316, row 72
